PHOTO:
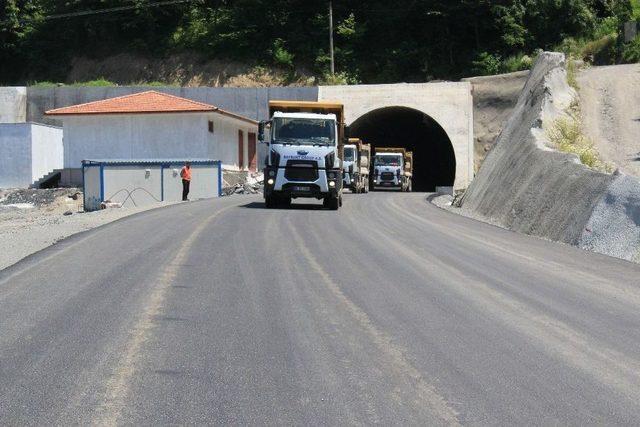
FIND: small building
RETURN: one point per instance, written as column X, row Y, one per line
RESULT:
column 147, row 182
column 29, row 152
column 159, row 126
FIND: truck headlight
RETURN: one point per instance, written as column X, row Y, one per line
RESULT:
column 272, row 173
column 331, row 175
column 270, row 181
column 332, row 184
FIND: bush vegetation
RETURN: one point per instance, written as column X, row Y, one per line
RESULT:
column 567, row 136
column 375, row 41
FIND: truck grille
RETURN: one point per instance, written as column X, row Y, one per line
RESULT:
column 386, row 176
column 301, row 174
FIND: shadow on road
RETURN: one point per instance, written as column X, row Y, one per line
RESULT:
column 294, row 206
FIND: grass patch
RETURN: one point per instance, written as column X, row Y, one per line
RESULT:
column 45, row 84
column 572, row 74
column 566, row 135
column 101, row 82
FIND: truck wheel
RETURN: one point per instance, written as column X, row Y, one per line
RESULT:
column 331, row 203
column 270, row 202
column 285, row 202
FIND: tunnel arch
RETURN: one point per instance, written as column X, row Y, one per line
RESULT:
column 397, row 126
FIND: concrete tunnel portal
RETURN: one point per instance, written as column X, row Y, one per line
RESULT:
column 434, row 161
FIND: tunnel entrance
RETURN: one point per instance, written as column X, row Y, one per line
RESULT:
column 434, row 162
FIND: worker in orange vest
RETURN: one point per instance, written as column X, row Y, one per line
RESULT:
column 185, row 174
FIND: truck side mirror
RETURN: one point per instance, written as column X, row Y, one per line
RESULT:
column 261, row 126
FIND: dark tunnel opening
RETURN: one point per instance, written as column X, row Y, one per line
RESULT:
column 434, row 162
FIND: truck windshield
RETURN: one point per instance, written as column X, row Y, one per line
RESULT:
column 387, row 160
column 349, row 154
column 303, row 131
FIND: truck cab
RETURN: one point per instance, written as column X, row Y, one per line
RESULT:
column 304, row 153
column 355, row 166
column 393, row 169
column 349, row 162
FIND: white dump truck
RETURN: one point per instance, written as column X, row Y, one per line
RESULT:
column 306, row 141
column 393, row 168
column 355, row 166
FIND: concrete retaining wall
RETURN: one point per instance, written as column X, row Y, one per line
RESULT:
column 13, row 104
column 249, row 102
column 527, row 187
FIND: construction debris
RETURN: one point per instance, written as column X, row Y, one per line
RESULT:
column 107, row 204
column 21, row 198
column 251, row 185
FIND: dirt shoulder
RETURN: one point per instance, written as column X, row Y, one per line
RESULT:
column 610, row 105
column 31, row 220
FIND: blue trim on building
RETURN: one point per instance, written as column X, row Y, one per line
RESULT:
column 166, row 162
column 162, row 182
column 84, row 193
column 219, row 178
column 101, row 182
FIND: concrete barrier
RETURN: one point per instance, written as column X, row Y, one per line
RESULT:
column 527, row 187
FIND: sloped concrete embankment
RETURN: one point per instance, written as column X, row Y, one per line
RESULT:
column 530, row 188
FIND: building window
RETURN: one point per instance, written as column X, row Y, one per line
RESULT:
column 211, row 126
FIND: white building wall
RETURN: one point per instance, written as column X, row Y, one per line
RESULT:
column 153, row 136
column 47, row 152
column 91, row 188
column 146, row 184
column 15, row 155
column 135, row 185
column 133, row 136
column 28, row 151
column 225, row 141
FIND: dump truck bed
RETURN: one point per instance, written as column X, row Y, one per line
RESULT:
column 380, row 150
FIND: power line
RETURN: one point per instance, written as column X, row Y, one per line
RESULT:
column 107, row 10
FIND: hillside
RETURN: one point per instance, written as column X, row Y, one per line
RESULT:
column 190, row 42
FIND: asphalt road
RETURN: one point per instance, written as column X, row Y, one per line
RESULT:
column 389, row 311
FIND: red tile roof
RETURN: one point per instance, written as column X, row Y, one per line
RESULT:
column 143, row 102
column 149, row 102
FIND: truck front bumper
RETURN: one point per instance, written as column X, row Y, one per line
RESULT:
column 320, row 188
column 378, row 182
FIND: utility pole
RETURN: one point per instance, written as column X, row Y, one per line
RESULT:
column 333, row 70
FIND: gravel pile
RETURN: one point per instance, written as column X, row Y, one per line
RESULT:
column 36, row 197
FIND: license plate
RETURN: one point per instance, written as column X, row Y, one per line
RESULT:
column 302, row 189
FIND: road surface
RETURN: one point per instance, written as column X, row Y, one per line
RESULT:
column 389, row 311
